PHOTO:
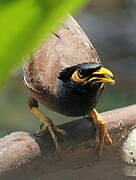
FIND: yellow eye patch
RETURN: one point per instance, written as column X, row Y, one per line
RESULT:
column 76, row 77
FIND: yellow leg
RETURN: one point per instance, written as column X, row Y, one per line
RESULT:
column 103, row 132
column 48, row 124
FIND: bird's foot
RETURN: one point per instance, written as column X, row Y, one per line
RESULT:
column 41, row 132
column 44, row 130
column 53, row 131
column 102, row 130
column 102, row 134
column 47, row 125
column 61, row 131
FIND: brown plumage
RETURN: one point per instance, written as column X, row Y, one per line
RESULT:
column 68, row 47
column 53, row 74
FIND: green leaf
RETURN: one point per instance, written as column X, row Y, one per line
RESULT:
column 24, row 23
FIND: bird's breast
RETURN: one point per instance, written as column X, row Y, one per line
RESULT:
column 76, row 103
column 68, row 102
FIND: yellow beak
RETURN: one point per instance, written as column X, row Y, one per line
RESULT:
column 107, row 76
column 104, row 71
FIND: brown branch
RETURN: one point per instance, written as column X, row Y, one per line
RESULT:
column 23, row 155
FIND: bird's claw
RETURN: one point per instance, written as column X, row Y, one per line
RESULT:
column 61, row 131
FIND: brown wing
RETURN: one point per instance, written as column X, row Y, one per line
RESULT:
column 67, row 47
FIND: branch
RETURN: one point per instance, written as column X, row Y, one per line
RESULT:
column 22, row 152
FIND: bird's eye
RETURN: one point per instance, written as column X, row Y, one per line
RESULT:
column 81, row 74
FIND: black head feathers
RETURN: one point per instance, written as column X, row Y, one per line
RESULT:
column 84, row 68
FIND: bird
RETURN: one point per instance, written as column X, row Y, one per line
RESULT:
column 65, row 74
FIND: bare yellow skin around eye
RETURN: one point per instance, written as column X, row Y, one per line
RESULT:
column 76, row 78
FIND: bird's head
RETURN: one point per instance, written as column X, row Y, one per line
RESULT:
column 87, row 74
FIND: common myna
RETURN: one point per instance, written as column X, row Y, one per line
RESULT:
column 65, row 75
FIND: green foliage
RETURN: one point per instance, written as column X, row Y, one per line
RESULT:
column 23, row 24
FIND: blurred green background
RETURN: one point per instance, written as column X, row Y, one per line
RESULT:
column 111, row 25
